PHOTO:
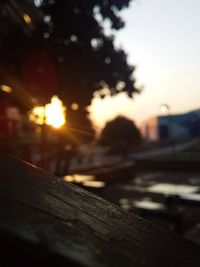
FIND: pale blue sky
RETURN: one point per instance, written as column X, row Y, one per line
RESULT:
column 162, row 38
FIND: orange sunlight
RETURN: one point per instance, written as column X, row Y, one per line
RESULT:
column 52, row 114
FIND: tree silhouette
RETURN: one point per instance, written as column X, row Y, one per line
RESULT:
column 121, row 134
column 64, row 50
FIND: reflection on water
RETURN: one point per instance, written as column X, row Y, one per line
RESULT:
column 85, row 180
column 96, row 184
column 148, row 205
column 192, row 197
column 78, row 178
column 172, row 189
column 144, row 203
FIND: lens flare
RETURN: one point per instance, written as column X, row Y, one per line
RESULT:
column 52, row 114
column 55, row 113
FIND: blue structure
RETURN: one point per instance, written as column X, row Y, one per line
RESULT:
column 184, row 126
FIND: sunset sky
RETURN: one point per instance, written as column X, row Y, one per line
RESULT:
column 162, row 39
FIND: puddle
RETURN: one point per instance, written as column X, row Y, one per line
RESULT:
column 86, row 180
column 95, row 184
column 148, row 205
column 172, row 189
column 78, row 178
column 192, row 197
column 144, row 203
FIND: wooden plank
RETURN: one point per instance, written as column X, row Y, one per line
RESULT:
column 39, row 210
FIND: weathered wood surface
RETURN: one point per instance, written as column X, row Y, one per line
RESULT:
column 46, row 219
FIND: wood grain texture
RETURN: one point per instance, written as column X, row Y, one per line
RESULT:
column 82, row 228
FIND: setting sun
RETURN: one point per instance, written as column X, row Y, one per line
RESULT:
column 55, row 113
column 52, row 114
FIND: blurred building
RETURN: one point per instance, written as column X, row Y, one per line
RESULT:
column 9, row 119
column 178, row 127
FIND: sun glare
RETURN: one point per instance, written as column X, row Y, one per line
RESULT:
column 38, row 115
column 51, row 114
column 55, row 113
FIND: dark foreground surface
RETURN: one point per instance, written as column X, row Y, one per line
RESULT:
column 168, row 195
column 44, row 220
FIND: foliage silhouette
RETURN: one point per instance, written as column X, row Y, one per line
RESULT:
column 65, row 51
column 121, row 134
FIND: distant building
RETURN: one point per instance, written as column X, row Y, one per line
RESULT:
column 172, row 127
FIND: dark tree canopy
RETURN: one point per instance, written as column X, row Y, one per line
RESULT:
column 120, row 133
column 60, row 47
column 89, row 58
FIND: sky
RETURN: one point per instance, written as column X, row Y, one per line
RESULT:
column 162, row 39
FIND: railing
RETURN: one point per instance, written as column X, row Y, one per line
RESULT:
column 46, row 221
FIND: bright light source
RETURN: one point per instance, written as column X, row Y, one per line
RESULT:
column 164, row 108
column 55, row 113
column 52, row 114
column 6, row 88
column 27, row 18
column 38, row 115
column 74, row 106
